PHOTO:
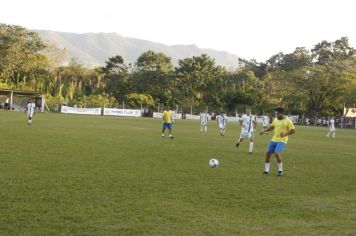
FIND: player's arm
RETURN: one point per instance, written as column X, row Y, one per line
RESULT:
column 270, row 128
column 254, row 123
column 240, row 121
column 290, row 132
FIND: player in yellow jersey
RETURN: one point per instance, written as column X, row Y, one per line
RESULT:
column 167, row 122
column 283, row 127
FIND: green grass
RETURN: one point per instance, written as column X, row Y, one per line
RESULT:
column 84, row 175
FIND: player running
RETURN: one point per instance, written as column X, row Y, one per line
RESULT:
column 248, row 125
column 332, row 129
column 167, row 122
column 30, row 109
column 222, row 120
column 203, row 121
column 283, row 127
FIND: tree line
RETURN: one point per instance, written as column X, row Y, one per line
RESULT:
column 316, row 82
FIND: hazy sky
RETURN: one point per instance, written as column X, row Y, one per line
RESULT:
column 248, row 28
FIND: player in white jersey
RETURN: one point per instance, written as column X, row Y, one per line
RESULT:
column 265, row 122
column 30, row 109
column 203, row 121
column 332, row 129
column 221, row 119
column 248, row 125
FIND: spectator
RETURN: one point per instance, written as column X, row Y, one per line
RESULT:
column 7, row 104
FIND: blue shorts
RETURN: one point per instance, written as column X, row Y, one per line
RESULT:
column 276, row 147
column 167, row 125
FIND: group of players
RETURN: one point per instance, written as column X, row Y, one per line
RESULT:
column 283, row 127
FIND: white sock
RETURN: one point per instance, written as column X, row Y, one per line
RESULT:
column 334, row 135
column 206, row 128
column 267, row 167
column 162, row 134
column 170, row 135
column 328, row 134
column 251, row 147
column 280, row 167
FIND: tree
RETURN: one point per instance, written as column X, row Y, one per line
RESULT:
column 298, row 59
column 327, row 52
column 153, row 76
column 198, row 80
column 116, row 77
column 19, row 50
column 152, row 61
column 136, row 100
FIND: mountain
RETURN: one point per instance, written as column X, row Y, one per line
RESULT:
column 93, row 49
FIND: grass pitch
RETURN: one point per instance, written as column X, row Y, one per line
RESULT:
column 86, row 175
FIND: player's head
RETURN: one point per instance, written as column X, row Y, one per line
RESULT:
column 279, row 113
column 248, row 110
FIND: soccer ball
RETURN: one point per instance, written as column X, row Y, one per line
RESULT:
column 213, row 163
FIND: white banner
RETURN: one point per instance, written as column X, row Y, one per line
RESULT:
column 159, row 115
column 81, row 111
column 192, row 117
column 233, row 119
column 122, row 112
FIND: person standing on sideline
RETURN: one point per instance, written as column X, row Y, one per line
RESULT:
column 248, row 125
column 203, row 121
column 167, row 122
column 7, row 104
column 283, row 127
column 30, row 109
column 265, row 122
column 332, row 129
column 221, row 119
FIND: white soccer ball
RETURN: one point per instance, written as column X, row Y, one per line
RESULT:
column 213, row 163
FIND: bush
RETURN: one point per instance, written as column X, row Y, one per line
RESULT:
column 94, row 101
column 135, row 100
column 54, row 102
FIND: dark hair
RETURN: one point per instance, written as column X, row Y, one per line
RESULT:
column 280, row 110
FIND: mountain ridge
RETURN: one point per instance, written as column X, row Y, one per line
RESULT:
column 93, row 49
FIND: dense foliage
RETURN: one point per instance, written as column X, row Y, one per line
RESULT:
column 315, row 82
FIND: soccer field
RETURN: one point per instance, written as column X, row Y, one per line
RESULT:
column 85, row 175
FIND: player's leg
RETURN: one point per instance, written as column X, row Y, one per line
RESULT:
column 279, row 164
column 278, row 152
column 170, row 130
column 270, row 151
column 334, row 133
column 206, row 127
column 163, row 129
column 267, row 162
column 328, row 135
column 250, row 149
column 201, row 127
column 29, row 120
column 239, row 140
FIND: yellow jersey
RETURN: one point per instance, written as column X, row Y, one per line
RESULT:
column 281, row 126
column 167, row 117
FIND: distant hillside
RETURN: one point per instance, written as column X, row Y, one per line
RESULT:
column 93, row 49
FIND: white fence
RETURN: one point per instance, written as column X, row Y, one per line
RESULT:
column 159, row 115
column 122, row 112
column 98, row 111
column 81, row 111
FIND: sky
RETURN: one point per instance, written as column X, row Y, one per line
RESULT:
column 248, row 28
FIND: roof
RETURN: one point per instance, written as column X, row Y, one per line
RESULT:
column 19, row 92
